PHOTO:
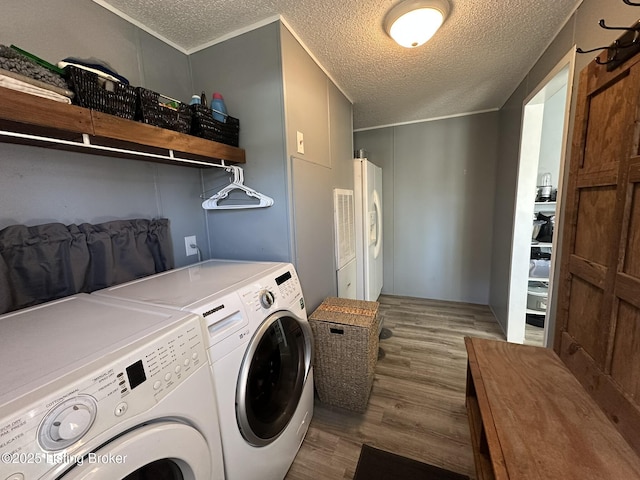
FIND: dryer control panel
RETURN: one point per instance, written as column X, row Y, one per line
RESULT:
column 59, row 429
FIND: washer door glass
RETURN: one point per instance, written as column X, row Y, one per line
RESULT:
column 164, row 469
column 158, row 451
column 272, row 376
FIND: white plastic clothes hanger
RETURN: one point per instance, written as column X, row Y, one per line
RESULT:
column 237, row 184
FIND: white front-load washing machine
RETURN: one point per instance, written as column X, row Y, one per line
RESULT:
column 260, row 349
column 102, row 389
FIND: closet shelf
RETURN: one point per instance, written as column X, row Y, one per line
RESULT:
column 31, row 120
column 541, row 244
column 538, row 279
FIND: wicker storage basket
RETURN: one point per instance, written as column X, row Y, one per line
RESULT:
column 118, row 99
column 205, row 126
column 151, row 111
column 346, row 351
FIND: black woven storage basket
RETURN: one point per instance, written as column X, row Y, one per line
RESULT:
column 90, row 93
column 205, row 126
column 149, row 110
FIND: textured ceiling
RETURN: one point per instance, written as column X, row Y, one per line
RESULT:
column 473, row 63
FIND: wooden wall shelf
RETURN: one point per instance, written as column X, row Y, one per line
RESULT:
column 31, row 120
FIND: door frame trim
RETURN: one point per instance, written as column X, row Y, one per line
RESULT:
column 523, row 209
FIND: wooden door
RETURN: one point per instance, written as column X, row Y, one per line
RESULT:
column 598, row 318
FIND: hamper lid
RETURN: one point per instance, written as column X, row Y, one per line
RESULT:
column 345, row 311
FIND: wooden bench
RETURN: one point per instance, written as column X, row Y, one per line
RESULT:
column 529, row 418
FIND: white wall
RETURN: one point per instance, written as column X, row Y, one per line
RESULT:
column 551, row 136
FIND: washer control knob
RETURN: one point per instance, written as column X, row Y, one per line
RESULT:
column 267, row 298
column 71, row 423
column 67, row 422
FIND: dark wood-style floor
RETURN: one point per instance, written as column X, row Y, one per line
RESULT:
column 416, row 408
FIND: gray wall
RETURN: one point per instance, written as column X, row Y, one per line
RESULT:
column 341, row 137
column 581, row 30
column 40, row 185
column 247, row 71
column 438, row 196
column 313, row 186
column 263, row 80
column 503, row 210
column 313, row 217
column 324, row 116
column 306, row 102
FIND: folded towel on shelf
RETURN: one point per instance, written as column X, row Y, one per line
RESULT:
column 37, row 83
column 13, row 84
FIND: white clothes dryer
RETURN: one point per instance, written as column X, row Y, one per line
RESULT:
column 102, row 389
column 192, row 288
column 260, row 349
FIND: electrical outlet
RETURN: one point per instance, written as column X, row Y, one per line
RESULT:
column 188, row 241
column 300, row 142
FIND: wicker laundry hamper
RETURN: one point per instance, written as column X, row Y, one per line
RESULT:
column 346, row 351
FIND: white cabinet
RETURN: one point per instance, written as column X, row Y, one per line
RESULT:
column 347, row 276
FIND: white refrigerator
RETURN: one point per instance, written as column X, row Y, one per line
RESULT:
column 368, row 228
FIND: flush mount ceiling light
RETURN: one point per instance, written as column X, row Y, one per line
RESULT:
column 412, row 22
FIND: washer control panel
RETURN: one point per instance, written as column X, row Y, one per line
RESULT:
column 280, row 290
column 54, row 432
column 288, row 285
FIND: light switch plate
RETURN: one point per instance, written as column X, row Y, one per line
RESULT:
column 300, row 142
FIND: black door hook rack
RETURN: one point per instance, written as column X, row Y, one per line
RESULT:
column 623, row 48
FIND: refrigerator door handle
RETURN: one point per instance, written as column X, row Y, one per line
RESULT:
column 378, row 224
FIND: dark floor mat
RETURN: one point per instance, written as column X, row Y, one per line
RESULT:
column 375, row 464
